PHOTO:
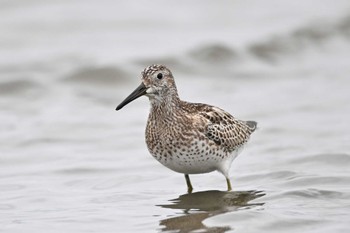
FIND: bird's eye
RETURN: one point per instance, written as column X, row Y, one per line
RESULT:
column 159, row 76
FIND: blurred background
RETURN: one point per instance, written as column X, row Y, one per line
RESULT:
column 70, row 163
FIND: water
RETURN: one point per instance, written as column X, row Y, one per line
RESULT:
column 70, row 163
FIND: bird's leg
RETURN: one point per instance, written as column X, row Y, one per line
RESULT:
column 188, row 182
column 229, row 188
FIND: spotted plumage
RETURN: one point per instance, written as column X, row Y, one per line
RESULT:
column 188, row 138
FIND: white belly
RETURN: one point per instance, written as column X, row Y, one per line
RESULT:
column 196, row 160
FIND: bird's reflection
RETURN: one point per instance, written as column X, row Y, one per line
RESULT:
column 201, row 205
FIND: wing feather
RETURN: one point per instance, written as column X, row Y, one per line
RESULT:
column 225, row 130
column 221, row 127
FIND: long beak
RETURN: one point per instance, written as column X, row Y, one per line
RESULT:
column 139, row 91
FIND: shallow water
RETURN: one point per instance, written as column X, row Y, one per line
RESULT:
column 70, row 163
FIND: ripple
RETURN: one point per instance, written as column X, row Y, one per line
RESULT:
column 324, row 159
column 277, row 175
column 284, row 224
column 317, row 180
column 213, row 53
column 344, row 26
column 296, row 41
column 11, row 187
column 83, row 170
column 315, row 193
column 104, row 76
column 19, row 87
column 7, row 207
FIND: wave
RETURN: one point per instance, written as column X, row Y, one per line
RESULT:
column 295, row 42
column 20, row 87
column 98, row 76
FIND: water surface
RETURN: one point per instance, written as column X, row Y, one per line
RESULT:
column 70, row 163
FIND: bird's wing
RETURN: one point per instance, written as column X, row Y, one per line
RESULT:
column 224, row 129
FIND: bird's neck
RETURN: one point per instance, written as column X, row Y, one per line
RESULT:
column 165, row 108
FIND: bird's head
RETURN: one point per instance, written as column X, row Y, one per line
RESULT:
column 157, row 84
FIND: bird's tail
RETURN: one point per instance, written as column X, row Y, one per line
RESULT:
column 252, row 125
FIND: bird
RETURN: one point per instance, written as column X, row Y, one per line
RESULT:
column 188, row 138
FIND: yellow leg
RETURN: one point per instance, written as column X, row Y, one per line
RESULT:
column 188, row 182
column 229, row 188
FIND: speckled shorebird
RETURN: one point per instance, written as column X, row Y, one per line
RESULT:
column 189, row 138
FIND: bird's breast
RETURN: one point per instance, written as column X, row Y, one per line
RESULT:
column 183, row 150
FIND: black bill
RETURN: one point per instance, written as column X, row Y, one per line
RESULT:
column 139, row 91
